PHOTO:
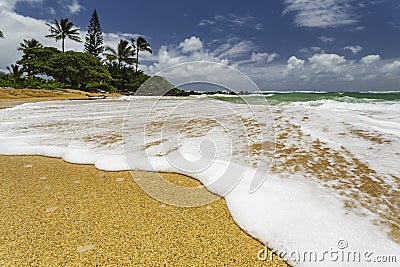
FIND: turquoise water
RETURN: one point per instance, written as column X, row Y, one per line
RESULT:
column 276, row 98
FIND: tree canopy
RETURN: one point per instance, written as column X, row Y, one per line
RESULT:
column 123, row 55
column 94, row 37
column 77, row 69
column 29, row 44
column 35, row 61
column 63, row 30
column 74, row 68
column 15, row 71
column 141, row 45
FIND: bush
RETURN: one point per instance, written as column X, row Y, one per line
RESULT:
column 31, row 83
column 8, row 81
column 100, row 86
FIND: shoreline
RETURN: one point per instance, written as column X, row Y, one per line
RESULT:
column 54, row 212
column 34, row 95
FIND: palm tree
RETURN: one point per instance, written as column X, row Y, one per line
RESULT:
column 29, row 44
column 1, row 34
column 142, row 45
column 15, row 71
column 125, row 53
column 63, row 30
column 24, row 46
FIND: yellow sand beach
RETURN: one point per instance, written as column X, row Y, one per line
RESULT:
column 29, row 95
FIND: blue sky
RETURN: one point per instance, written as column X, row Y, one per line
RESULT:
column 282, row 45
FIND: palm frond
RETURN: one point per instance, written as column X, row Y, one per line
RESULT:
column 63, row 30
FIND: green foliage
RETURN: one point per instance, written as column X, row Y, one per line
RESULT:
column 94, row 37
column 9, row 81
column 63, row 30
column 35, row 60
column 141, row 45
column 77, row 69
column 15, row 72
column 6, row 80
column 39, row 83
column 1, row 34
column 29, row 44
column 119, row 64
column 126, row 78
column 124, row 55
column 73, row 68
column 101, row 86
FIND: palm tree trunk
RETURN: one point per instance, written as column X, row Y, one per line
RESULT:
column 137, row 59
column 63, row 45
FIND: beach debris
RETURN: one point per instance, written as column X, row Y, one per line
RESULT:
column 28, row 166
column 52, row 209
column 162, row 206
column 43, row 178
column 85, row 248
column 120, row 179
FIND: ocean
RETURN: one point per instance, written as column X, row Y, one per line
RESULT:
column 300, row 171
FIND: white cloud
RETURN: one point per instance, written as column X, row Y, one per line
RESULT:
column 74, row 7
column 327, row 62
column 206, row 22
column 325, row 39
column 360, row 28
column 259, row 57
column 392, row 67
column 168, row 56
column 51, row 11
column 311, row 50
column 321, row 13
column 319, row 71
column 240, row 20
column 348, row 77
column 353, row 49
column 294, row 63
column 259, row 26
column 71, row 6
column 191, row 45
column 10, row 4
column 28, row 28
column 233, row 21
column 370, row 59
column 236, row 50
column 171, row 56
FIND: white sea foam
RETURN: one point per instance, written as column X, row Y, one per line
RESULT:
column 205, row 138
column 336, row 123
